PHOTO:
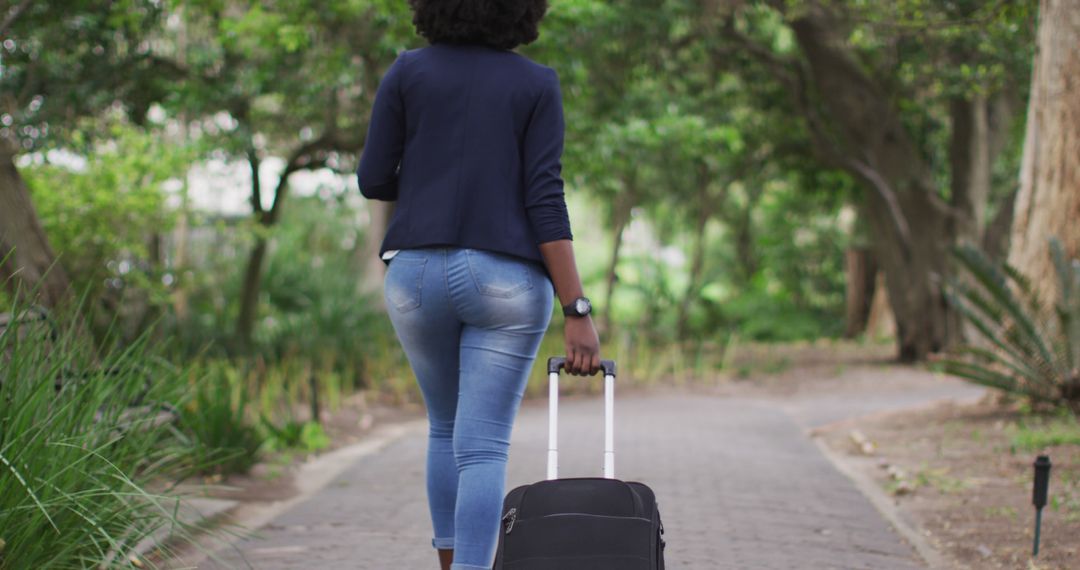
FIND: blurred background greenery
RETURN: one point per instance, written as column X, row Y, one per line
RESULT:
column 177, row 176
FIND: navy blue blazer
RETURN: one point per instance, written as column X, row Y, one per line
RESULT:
column 468, row 140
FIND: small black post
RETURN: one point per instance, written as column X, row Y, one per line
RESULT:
column 1038, row 497
column 313, row 383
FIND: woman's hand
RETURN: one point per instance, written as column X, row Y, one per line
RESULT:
column 582, row 346
column 582, row 343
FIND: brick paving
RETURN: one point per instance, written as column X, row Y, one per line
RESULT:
column 739, row 483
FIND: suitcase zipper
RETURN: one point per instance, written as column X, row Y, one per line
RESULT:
column 512, row 515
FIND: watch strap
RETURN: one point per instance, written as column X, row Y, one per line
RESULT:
column 570, row 309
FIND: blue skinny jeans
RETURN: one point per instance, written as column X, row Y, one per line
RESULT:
column 470, row 322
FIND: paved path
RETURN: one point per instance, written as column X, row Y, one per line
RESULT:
column 740, row 486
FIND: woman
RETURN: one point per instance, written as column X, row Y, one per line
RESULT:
column 467, row 136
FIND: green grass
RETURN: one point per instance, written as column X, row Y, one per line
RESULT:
column 294, row 435
column 1036, row 434
column 214, row 422
column 1000, row 511
column 939, row 479
column 75, row 465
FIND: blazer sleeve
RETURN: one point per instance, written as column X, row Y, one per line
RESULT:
column 545, row 203
column 377, row 173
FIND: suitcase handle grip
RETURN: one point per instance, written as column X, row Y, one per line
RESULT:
column 557, row 363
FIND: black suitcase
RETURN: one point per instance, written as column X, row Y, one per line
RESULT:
column 582, row 523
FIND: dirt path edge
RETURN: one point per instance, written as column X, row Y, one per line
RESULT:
column 933, row 558
column 311, row 477
column 877, row 496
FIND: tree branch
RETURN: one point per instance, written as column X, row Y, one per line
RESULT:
column 311, row 155
column 256, row 184
column 793, row 76
column 13, row 15
column 888, row 195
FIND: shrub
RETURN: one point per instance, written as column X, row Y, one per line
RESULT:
column 1030, row 349
column 293, row 435
column 76, row 461
column 214, row 423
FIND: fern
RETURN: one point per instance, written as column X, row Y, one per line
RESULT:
column 1029, row 348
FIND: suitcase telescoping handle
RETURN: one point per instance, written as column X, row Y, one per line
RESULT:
column 555, row 364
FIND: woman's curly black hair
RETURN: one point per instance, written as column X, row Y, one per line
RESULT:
column 503, row 24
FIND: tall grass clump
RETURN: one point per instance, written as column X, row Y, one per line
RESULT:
column 213, row 422
column 1029, row 348
column 77, row 458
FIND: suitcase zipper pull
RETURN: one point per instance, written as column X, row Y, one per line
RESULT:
column 512, row 516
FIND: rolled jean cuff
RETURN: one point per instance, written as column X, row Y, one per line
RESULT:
column 468, row 567
column 444, row 543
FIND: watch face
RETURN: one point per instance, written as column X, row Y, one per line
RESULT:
column 582, row 306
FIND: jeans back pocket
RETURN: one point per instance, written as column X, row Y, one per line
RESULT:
column 404, row 282
column 498, row 275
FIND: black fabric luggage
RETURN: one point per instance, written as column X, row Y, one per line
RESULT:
column 582, row 523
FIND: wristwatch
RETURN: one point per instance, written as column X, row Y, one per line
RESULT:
column 578, row 307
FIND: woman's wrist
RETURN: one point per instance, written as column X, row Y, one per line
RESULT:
column 559, row 258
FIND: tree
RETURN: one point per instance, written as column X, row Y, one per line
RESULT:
column 26, row 258
column 107, row 215
column 61, row 61
column 869, row 102
column 295, row 80
column 617, row 171
column 1048, row 203
column 609, row 56
column 658, row 128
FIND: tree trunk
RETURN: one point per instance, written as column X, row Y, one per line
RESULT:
column 697, row 265
column 880, row 323
column 861, row 274
column 144, row 309
column 979, row 130
column 623, row 205
column 1048, row 202
column 868, row 139
column 27, row 261
column 854, row 125
column 308, row 156
column 249, row 292
column 182, row 236
column 970, row 166
column 252, row 284
column 366, row 253
column 995, row 240
column 743, row 223
column 912, row 275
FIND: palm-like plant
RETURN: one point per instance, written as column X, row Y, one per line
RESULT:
column 1028, row 347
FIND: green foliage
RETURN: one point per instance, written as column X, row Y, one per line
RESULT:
column 310, row 304
column 667, row 117
column 214, row 422
column 758, row 315
column 76, row 464
column 313, row 304
column 1032, row 349
column 1036, row 434
column 294, row 435
column 296, row 70
column 939, row 479
column 72, row 59
column 676, row 133
column 103, row 206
